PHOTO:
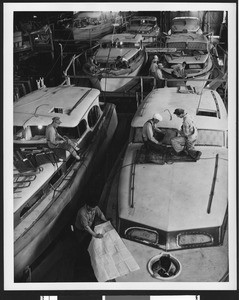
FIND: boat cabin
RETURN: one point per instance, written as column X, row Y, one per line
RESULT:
column 192, row 48
column 128, row 46
column 79, row 111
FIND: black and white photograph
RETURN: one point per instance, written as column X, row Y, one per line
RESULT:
column 120, row 172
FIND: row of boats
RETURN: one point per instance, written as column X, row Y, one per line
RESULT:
column 185, row 42
column 157, row 208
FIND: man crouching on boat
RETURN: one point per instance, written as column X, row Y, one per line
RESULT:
column 152, row 135
column 184, row 143
column 86, row 218
column 55, row 140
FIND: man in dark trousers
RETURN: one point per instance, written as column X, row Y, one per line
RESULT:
column 85, row 220
column 56, row 141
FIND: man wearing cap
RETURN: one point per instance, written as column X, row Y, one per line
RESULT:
column 153, row 136
column 184, row 143
column 55, row 140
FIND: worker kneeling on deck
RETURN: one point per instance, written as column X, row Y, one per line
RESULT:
column 56, row 141
column 152, row 135
column 86, row 219
column 184, row 143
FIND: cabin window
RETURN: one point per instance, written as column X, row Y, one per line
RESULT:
column 194, row 66
column 211, row 138
column 177, row 45
column 142, row 234
column 38, row 131
column 197, row 46
column 194, row 239
column 82, row 126
column 70, row 132
column 29, row 133
column 93, row 116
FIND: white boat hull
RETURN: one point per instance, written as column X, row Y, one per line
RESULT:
column 92, row 32
column 113, row 84
column 58, row 209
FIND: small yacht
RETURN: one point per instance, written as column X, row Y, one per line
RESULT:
column 111, row 77
column 48, row 183
column 192, row 48
column 170, row 206
column 146, row 26
column 88, row 26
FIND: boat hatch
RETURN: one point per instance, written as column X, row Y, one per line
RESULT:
column 57, row 110
column 164, row 266
column 209, row 109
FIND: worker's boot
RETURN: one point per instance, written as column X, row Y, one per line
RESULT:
column 194, row 154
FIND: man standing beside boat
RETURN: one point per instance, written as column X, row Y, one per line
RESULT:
column 86, row 218
column 155, row 71
column 56, row 141
column 184, row 143
column 153, row 136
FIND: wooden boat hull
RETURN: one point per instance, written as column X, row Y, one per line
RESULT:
column 58, row 209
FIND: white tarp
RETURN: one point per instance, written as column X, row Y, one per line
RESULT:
column 109, row 256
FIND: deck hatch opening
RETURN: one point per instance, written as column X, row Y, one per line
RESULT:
column 164, row 266
column 206, row 113
column 57, row 110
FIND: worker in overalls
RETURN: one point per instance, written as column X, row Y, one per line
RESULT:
column 184, row 143
column 155, row 70
column 152, row 135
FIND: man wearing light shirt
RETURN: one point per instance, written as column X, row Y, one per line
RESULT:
column 151, row 135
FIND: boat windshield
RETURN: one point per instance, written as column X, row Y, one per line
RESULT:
column 143, row 22
column 184, row 22
column 135, row 23
column 190, row 46
column 206, row 137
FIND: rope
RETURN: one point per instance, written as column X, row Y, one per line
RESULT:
column 58, row 57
